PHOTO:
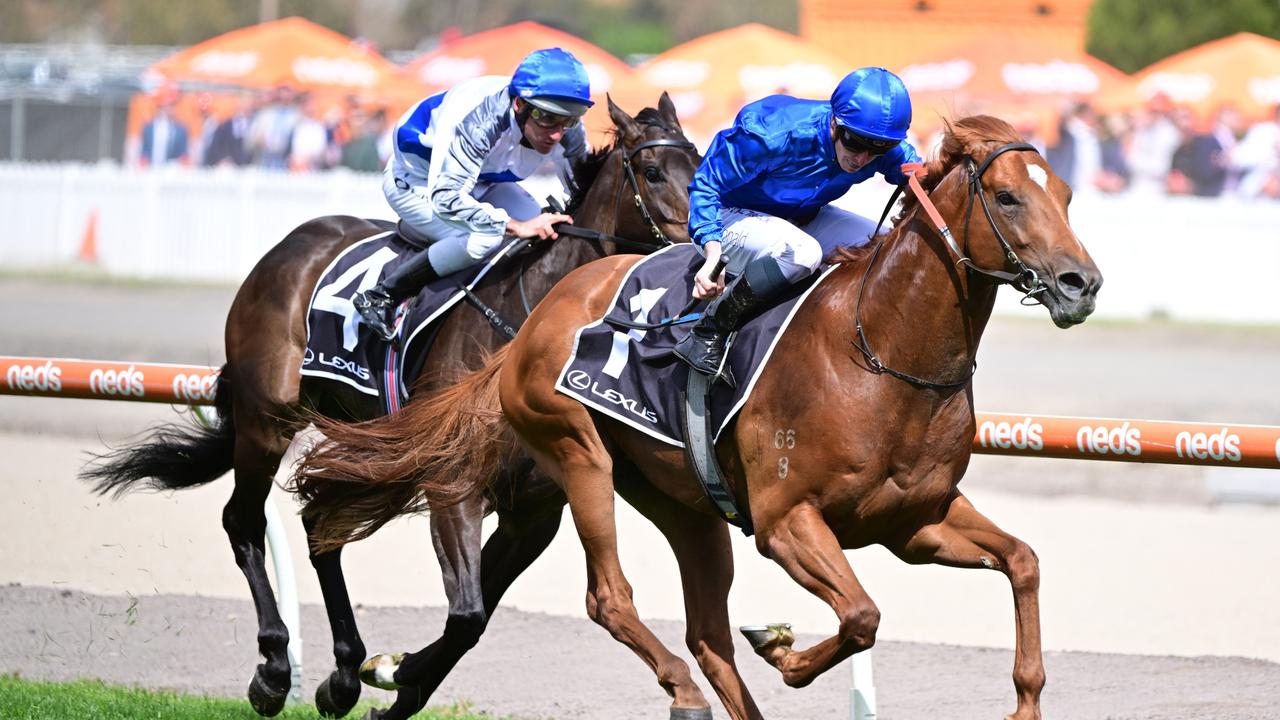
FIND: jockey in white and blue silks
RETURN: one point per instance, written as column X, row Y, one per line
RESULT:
column 760, row 197
column 456, row 161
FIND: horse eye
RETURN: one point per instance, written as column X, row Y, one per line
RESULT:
column 1005, row 198
column 652, row 174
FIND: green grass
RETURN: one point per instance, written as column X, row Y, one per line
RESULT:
column 27, row 700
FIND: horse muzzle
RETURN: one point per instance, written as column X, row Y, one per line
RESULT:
column 1071, row 296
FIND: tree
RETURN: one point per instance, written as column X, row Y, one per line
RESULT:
column 1132, row 34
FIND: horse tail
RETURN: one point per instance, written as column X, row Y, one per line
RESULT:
column 439, row 451
column 172, row 457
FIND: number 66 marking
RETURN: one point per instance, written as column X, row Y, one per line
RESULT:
column 784, row 439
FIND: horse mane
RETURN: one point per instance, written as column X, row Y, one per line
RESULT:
column 587, row 169
column 969, row 137
column 974, row 137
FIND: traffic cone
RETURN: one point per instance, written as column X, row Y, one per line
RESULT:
column 89, row 240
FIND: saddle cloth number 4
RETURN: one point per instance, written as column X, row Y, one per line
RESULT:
column 328, row 300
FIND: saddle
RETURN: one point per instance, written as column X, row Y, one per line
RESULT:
column 623, row 367
column 341, row 348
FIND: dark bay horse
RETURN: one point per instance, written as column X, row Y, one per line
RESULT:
column 632, row 190
column 857, row 433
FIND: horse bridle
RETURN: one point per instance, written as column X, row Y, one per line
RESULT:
column 660, row 237
column 1024, row 278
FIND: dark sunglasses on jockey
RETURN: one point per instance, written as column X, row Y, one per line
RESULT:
column 858, row 143
column 551, row 121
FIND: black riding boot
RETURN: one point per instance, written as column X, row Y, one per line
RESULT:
column 703, row 347
column 377, row 305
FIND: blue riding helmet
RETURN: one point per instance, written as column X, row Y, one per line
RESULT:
column 873, row 102
column 553, row 80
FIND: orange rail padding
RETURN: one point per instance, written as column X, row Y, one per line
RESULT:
column 107, row 380
column 1152, row 441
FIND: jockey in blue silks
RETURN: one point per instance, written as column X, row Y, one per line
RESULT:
column 456, row 160
column 760, row 197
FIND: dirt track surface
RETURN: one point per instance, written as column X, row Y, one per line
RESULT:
column 1159, row 569
column 531, row 665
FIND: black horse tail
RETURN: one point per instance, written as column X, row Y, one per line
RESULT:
column 172, row 457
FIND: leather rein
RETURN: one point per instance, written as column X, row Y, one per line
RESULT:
column 1023, row 278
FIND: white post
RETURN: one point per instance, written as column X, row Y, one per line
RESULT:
column 287, row 595
column 862, row 694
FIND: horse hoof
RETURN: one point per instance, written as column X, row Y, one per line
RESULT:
column 373, row 714
column 690, row 713
column 266, row 700
column 335, row 703
column 764, row 637
column 379, row 671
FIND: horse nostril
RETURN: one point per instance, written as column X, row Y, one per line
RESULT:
column 1071, row 285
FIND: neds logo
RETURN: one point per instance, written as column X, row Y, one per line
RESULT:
column 1222, row 445
column 127, row 382
column 46, row 378
column 1105, row 440
column 195, row 388
column 1025, row 435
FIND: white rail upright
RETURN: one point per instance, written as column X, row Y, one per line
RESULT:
column 286, row 595
column 862, row 691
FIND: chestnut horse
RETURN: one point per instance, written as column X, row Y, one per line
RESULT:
column 632, row 192
column 858, row 430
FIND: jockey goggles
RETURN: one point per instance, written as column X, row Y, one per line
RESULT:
column 858, row 143
column 551, row 121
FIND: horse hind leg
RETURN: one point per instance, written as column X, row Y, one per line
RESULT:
column 705, row 557
column 965, row 538
column 508, row 552
column 259, row 447
column 339, row 692
column 588, row 483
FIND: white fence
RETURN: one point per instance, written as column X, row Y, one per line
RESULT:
column 1184, row 258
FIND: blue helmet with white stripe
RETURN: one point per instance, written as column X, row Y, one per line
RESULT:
column 873, row 103
column 554, row 80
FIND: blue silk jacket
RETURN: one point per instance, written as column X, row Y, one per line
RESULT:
column 779, row 159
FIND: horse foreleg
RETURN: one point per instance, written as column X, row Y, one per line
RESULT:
column 965, row 538
column 257, row 455
column 806, row 548
column 338, row 693
column 703, row 551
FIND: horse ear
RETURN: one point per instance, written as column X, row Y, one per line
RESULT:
column 667, row 110
column 625, row 123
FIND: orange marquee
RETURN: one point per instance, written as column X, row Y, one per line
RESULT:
column 499, row 51
column 291, row 52
column 1241, row 70
column 711, row 77
column 1022, row 81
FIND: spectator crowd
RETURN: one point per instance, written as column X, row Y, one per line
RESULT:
column 1166, row 148
column 1160, row 148
column 277, row 130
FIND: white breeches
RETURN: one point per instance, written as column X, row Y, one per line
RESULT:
column 451, row 247
column 798, row 250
